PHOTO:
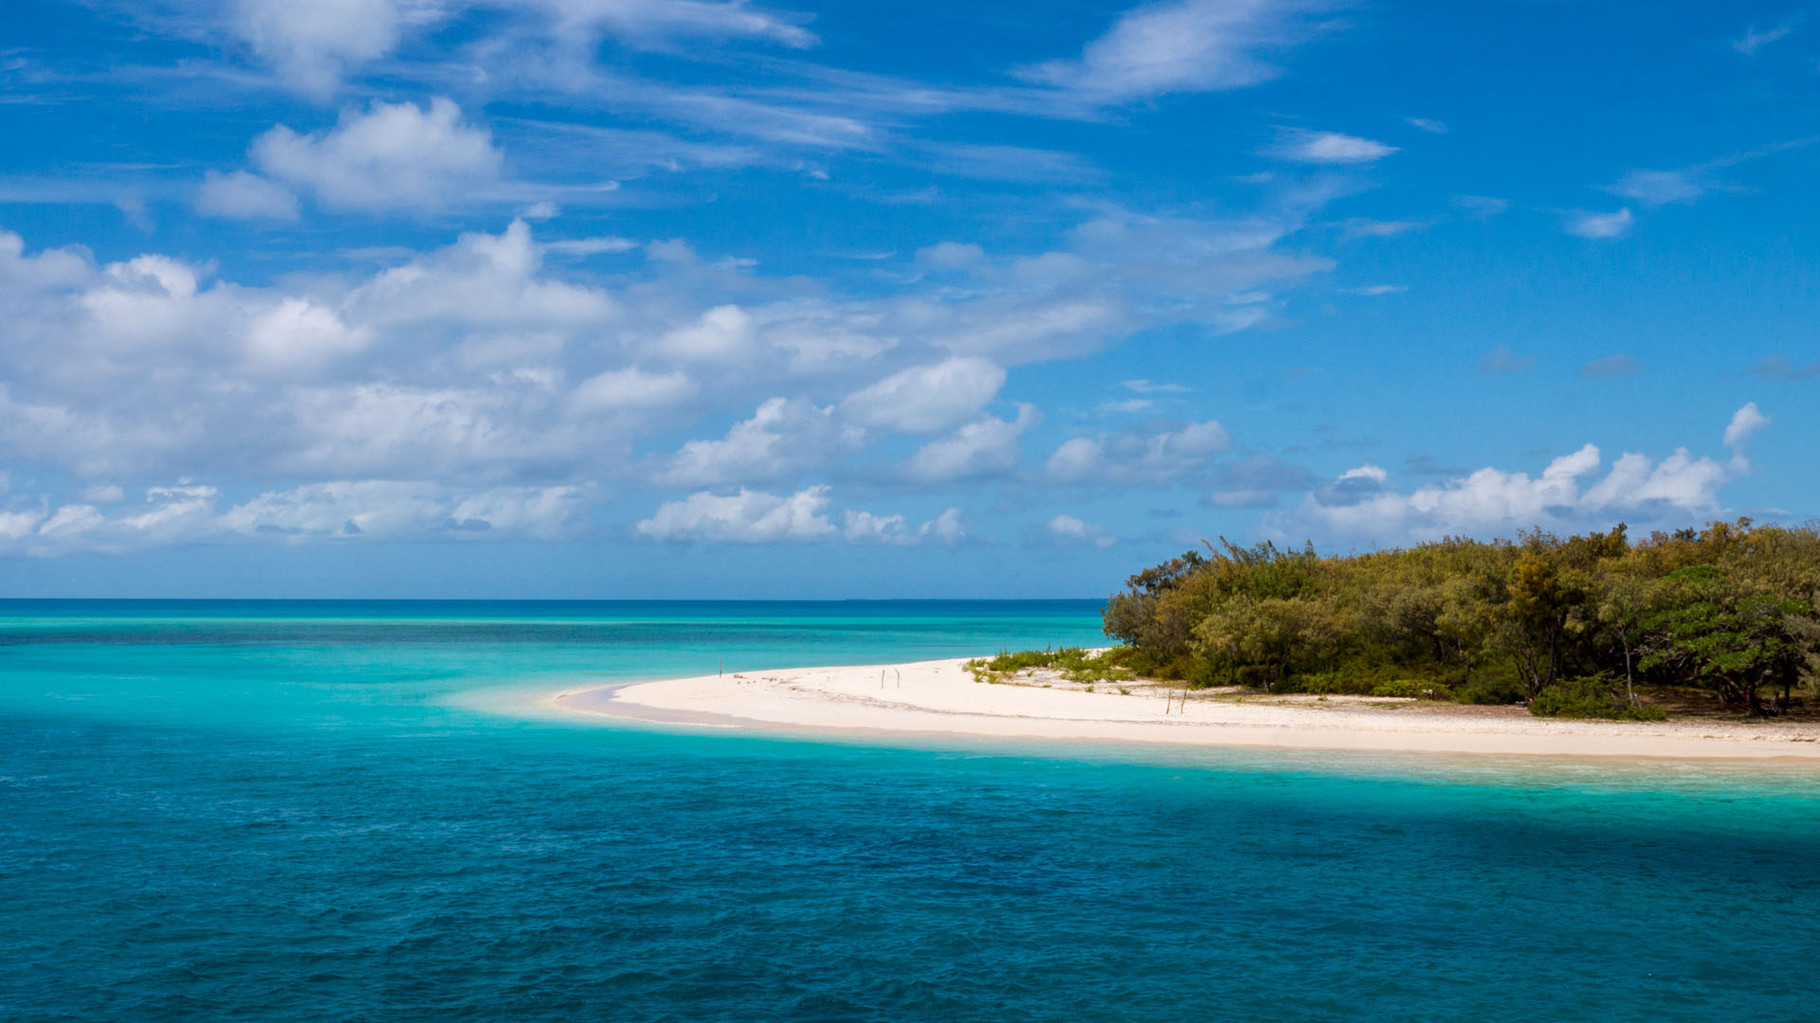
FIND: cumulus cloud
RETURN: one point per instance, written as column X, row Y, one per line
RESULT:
column 244, row 196
column 342, row 510
column 927, row 399
column 893, row 530
column 630, row 388
column 389, row 156
column 725, row 333
column 1181, row 46
column 1745, row 422
column 783, row 437
column 1068, row 531
column 983, row 448
column 1327, row 147
column 476, row 365
column 313, row 44
column 1570, row 493
column 1154, row 456
column 749, row 516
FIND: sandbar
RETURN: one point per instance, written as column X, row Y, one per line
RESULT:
column 942, row 697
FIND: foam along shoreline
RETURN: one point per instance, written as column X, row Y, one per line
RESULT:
column 942, row 697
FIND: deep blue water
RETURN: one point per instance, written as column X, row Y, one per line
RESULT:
column 354, row 812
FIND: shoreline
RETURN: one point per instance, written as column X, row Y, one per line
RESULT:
column 940, row 697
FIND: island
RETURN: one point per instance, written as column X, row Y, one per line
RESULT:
column 1694, row 644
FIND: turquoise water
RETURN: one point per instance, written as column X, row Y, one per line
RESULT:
column 355, row 812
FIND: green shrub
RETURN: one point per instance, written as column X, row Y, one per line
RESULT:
column 1590, row 696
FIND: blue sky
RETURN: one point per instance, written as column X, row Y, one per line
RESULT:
column 674, row 298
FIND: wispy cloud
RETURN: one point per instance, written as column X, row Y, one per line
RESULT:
column 1753, row 40
column 1776, row 367
column 1326, row 147
column 1502, row 361
column 1182, row 46
column 1600, row 226
column 1619, row 365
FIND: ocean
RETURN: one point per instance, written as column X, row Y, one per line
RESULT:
column 336, row 811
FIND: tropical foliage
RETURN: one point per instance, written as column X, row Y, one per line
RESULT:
column 1581, row 626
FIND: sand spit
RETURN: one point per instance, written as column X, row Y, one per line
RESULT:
column 943, row 697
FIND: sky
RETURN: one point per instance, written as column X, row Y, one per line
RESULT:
column 698, row 298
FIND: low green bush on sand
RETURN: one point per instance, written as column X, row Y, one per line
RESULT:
column 1590, row 696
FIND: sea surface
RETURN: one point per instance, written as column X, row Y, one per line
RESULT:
column 302, row 811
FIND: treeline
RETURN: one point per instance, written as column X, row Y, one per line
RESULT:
column 1583, row 626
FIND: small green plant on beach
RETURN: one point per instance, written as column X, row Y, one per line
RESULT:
column 1073, row 664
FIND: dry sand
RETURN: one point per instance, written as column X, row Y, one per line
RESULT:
column 942, row 697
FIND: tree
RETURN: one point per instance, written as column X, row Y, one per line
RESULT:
column 1624, row 603
column 1534, row 621
column 1265, row 639
column 1729, row 639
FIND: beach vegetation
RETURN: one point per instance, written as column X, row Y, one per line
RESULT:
column 1595, row 625
column 1072, row 664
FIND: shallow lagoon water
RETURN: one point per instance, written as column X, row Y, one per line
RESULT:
column 335, row 812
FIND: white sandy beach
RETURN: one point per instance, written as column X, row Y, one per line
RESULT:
column 942, row 697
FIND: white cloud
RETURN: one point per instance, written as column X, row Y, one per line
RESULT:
column 1569, row 494
column 244, row 196
column 927, row 399
column 1068, row 531
column 385, row 509
column 951, row 256
column 618, row 390
column 656, row 22
column 723, row 334
column 391, row 156
column 750, row 516
column 1433, row 127
column 589, row 246
column 1753, row 40
column 298, row 334
column 344, row 510
column 1152, row 387
column 892, row 530
column 783, row 437
column 313, row 44
column 1600, row 226
column 1746, row 421
column 1328, row 147
column 1181, row 46
column 1659, row 188
column 986, row 447
column 1157, row 457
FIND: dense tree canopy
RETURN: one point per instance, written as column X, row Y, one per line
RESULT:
column 1574, row 625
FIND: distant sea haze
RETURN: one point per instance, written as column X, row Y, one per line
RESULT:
column 315, row 811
